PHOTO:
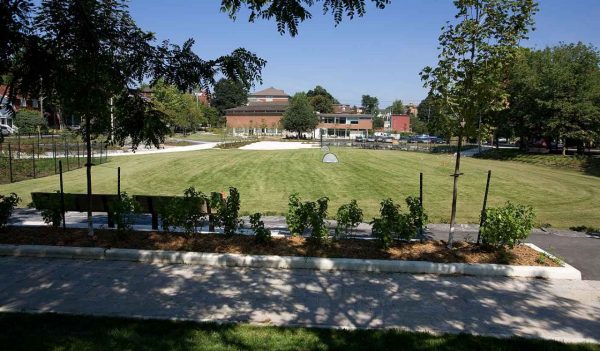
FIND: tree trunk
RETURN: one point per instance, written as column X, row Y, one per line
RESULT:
column 88, row 167
column 455, row 190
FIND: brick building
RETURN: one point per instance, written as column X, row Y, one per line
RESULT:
column 261, row 116
column 400, row 123
column 343, row 125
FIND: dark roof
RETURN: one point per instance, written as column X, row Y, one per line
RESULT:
column 258, row 108
column 338, row 115
column 270, row 92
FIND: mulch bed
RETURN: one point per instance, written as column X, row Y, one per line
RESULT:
column 433, row 251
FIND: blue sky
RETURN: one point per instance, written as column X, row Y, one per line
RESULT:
column 380, row 54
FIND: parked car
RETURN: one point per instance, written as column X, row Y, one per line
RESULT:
column 359, row 139
column 388, row 139
column 4, row 130
column 370, row 139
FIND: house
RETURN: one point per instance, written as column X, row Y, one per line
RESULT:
column 343, row 125
column 400, row 123
column 9, row 107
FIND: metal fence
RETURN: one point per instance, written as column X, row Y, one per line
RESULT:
column 402, row 146
column 35, row 156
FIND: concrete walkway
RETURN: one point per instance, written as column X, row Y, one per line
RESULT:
column 568, row 310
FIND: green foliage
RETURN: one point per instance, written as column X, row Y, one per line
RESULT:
column 370, row 103
column 507, row 226
column 397, row 107
column 261, row 234
column 378, row 122
column 28, row 121
column 321, row 100
column 555, row 93
column 181, row 109
column 307, row 215
column 300, row 117
column 392, row 224
column 288, row 15
column 317, row 212
column 417, row 126
column 475, row 51
column 184, row 212
column 386, row 228
column 7, row 205
column 415, row 219
column 124, row 211
column 348, row 217
column 228, row 94
column 321, row 104
column 228, row 211
column 296, row 218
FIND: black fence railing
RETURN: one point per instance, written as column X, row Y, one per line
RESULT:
column 401, row 146
column 34, row 156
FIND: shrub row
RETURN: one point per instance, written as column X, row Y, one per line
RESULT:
column 504, row 227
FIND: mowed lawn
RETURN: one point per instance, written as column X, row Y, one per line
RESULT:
column 562, row 198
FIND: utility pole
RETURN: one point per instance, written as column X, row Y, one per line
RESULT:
column 42, row 97
column 112, row 122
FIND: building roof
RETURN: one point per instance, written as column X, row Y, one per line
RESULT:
column 350, row 115
column 258, row 108
column 270, row 92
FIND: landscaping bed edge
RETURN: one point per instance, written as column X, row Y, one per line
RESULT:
column 566, row 272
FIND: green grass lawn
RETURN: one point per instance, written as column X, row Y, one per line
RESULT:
column 59, row 332
column 561, row 197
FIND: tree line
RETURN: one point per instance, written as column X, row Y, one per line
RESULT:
column 552, row 98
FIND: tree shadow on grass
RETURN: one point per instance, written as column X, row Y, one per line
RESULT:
column 499, row 306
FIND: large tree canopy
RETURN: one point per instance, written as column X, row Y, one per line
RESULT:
column 87, row 53
column 289, row 14
column 299, row 117
column 370, row 103
column 228, row 94
column 321, row 100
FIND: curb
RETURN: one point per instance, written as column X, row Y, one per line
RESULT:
column 567, row 272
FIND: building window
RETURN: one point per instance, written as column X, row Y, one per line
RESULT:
column 342, row 120
column 34, row 103
column 23, row 103
column 353, row 121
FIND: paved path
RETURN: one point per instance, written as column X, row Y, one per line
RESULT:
column 579, row 249
column 564, row 310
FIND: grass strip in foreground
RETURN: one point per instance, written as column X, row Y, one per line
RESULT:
column 63, row 332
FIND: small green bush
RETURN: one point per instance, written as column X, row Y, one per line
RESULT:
column 124, row 211
column 307, row 215
column 348, row 217
column 228, row 211
column 392, row 224
column 387, row 226
column 507, row 226
column 296, row 218
column 261, row 234
column 185, row 212
column 7, row 205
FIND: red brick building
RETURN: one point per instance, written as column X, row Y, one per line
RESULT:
column 261, row 116
column 400, row 123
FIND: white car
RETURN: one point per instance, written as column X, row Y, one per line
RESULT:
column 4, row 130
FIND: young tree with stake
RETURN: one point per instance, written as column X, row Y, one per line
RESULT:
column 476, row 52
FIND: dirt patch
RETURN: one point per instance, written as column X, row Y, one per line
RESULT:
column 434, row 251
